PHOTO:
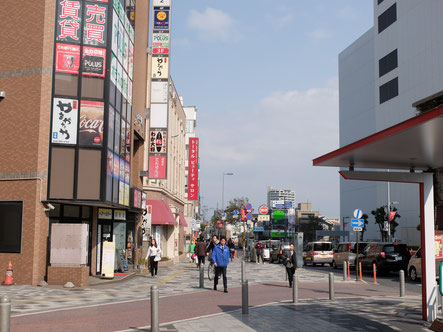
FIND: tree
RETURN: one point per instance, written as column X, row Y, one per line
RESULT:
column 381, row 216
column 365, row 219
column 309, row 228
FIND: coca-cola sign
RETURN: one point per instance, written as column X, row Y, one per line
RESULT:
column 91, row 123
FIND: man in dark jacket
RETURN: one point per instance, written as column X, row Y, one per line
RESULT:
column 211, row 246
column 200, row 250
column 220, row 256
column 259, row 252
column 290, row 261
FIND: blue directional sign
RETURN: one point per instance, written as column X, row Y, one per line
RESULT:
column 357, row 222
column 235, row 212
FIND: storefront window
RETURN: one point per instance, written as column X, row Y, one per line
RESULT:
column 71, row 211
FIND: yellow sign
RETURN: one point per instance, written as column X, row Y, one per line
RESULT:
column 161, row 16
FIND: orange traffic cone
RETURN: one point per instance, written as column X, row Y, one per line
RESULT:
column 8, row 277
column 235, row 254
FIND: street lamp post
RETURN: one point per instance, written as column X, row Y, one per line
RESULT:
column 223, row 196
column 347, row 217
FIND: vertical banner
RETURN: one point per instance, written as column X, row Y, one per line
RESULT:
column 158, row 145
column 193, row 169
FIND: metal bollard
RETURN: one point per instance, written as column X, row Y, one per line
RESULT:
column 154, row 310
column 402, row 283
column 295, row 289
column 244, row 298
column 202, row 277
column 5, row 314
column 345, row 270
column 243, row 271
column 331, row 286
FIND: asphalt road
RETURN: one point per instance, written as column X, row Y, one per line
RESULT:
column 388, row 280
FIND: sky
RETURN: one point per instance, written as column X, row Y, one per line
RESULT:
column 264, row 77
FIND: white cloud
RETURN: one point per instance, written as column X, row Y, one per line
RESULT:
column 211, row 24
column 274, row 144
column 320, row 33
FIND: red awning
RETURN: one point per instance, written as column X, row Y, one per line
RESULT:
column 415, row 143
column 181, row 218
column 161, row 213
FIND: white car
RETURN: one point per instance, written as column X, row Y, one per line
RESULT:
column 414, row 266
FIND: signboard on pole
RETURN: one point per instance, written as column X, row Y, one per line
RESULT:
column 263, row 209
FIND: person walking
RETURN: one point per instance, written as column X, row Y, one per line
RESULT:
column 231, row 247
column 290, row 262
column 259, row 252
column 211, row 246
column 200, row 250
column 153, row 256
column 192, row 251
column 220, row 256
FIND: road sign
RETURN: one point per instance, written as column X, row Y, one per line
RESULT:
column 249, row 207
column 235, row 216
column 224, row 216
column 235, row 212
column 358, row 213
column 249, row 216
column 243, row 214
column 357, row 222
column 357, row 229
column 263, row 209
column 264, row 217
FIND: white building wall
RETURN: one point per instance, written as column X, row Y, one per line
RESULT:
column 416, row 36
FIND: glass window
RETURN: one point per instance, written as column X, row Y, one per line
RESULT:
column 111, row 93
column 387, row 63
column 65, row 84
column 11, row 219
column 111, row 128
column 117, row 134
column 93, row 87
column 387, row 18
column 118, row 102
column 55, row 212
column 322, row 246
column 71, row 211
column 389, row 90
column 86, row 212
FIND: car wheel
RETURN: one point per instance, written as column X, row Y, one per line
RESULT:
column 334, row 265
column 413, row 273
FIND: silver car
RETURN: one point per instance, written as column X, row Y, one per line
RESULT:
column 318, row 253
column 414, row 266
column 347, row 252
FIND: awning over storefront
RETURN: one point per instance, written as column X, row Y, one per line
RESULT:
column 416, row 143
column 182, row 219
column 161, row 213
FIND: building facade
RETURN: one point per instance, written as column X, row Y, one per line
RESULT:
column 381, row 75
column 75, row 82
column 279, row 195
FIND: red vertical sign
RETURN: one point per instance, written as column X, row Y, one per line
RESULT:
column 193, row 170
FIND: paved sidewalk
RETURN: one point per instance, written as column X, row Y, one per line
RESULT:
column 342, row 315
column 179, row 279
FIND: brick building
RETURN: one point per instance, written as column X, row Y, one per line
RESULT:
column 74, row 76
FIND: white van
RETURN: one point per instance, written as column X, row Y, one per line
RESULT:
column 319, row 252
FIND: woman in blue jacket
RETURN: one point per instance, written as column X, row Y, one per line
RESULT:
column 220, row 257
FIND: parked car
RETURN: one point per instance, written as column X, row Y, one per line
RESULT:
column 267, row 248
column 414, row 266
column 318, row 253
column 277, row 252
column 347, row 251
column 386, row 257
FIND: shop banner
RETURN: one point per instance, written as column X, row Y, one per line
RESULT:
column 67, row 58
column 193, row 169
column 116, row 172
column 95, row 27
column 109, row 163
column 161, row 19
column 69, row 16
column 108, row 260
column 159, row 92
column 160, row 67
column 94, row 61
column 91, row 123
column 119, row 215
column 64, row 121
column 130, row 59
column 119, row 9
column 158, row 141
column 113, row 69
column 125, row 51
column 105, row 214
column 157, row 167
column 159, row 116
column 121, row 32
column 121, row 193
column 115, row 32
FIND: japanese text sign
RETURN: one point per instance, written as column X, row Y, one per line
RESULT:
column 193, row 169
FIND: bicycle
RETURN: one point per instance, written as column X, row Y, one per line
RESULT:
column 211, row 270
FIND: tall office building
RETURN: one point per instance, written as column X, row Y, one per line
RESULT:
column 393, row 65
column 284, row 195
